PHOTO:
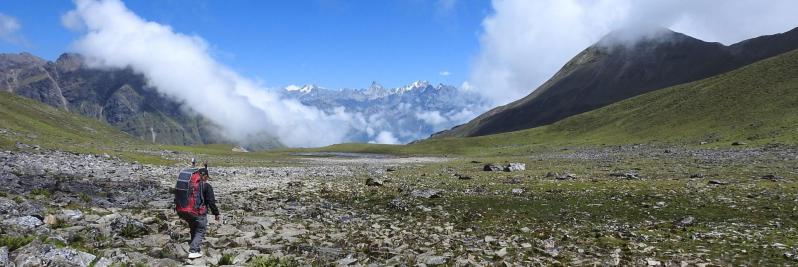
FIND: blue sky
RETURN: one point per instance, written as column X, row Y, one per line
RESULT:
column 332, row 43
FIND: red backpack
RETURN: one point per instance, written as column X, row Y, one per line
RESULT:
column 188, row 193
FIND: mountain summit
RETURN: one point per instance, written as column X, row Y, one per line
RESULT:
column 616, row 68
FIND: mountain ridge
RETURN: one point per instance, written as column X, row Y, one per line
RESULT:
column 607, row 72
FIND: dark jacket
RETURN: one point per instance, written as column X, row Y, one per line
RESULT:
column 209, row 198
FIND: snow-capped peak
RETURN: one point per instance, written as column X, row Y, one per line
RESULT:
column 413, row 86
column 304, row 89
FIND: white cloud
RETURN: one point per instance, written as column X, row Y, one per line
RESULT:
column 525, row 42
column 385, row 137
column 180, row 66
column 444, row 73
column 9, row 28
column 433, row 118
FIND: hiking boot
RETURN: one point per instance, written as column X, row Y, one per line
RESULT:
column 194, row 255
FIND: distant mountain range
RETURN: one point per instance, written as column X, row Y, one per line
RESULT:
column 408, row 113
column 122, row 98
column 613, row 70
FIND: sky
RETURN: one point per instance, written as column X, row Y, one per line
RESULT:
column 331, row 43
column 235, row 51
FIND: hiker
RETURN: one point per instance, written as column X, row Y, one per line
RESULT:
column 193, row 197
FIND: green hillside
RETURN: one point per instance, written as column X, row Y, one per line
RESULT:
column 756, row 104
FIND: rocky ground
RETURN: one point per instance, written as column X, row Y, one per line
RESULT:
column 629, row 205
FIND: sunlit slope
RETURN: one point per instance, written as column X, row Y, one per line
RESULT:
column 756, row 104
column 31, row 122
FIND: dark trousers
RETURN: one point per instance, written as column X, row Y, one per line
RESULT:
column 198, row 225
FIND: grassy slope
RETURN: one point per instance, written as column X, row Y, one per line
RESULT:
column 33, row 123
column 755, row 104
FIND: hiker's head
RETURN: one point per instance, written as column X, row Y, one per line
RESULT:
column 204, row 173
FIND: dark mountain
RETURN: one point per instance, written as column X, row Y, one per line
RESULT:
column 612, row 70
column 119, row 97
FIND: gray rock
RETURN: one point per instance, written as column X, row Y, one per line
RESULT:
column 517, row 191
column 492, row 168
column 427, row 193
column 4, row 260
column 398, row 204
column 38, row 254
column 686, row 221
column 514, row 167
column 70, row 215
column 103, row 262
column 374, row 182
column 566, row 176
column 7, row 206
column 772, row 177
column 717, row 182
column 26, row 222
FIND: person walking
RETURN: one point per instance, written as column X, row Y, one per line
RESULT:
column 193, row 197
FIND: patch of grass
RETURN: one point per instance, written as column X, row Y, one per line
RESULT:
column 85, row 197
column 226, row 259
column 269, row 261
column 15, row 242
column 131, row 231
column 41, row 192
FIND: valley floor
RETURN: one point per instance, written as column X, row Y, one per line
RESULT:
column 627, row 205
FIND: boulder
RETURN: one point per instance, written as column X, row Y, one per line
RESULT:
column 4, row 260
column 38, row 254
column 566, row 176
column 514, row 167
column 26, row 222
column 492, row 168
column 427, row 193
column 374, row 182
column 7, row 206
column 686, row 221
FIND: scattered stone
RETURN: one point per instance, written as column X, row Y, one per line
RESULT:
column 514, row 167
column 431, row 260
column 772, row 177
column 492, row 168
column 427, row 193
column 502, row 252
column 462, row 177
column 551, row 174
column 4, row 260
column 513, row 180
column 26, row 222
column 371, row 181
column 566, row 176
column 38, row 254
column 686, row 221
column 738, row 143
column 627, row 175
column 550, row 247
column 717, row 182
column 390, row 169
column 398, row 204
column 697, row 175
column 517, row 191
column 347, row 261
